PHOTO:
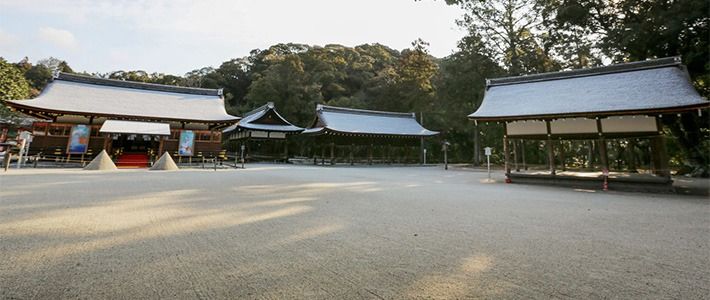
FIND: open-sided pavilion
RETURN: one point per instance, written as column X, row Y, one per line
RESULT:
column 617, row 101
column 265, row 127
column 354, row 129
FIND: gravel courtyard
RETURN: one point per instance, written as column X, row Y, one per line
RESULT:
column 274, row 232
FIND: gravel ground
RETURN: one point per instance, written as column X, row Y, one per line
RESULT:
column 274, row 232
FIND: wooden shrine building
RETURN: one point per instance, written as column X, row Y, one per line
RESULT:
column 617, row 101
column 358, row 134
column 87, row 114
column 263, row 132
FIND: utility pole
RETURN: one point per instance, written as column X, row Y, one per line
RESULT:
column 421, row 140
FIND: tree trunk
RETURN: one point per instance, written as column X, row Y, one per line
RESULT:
column 476, row 146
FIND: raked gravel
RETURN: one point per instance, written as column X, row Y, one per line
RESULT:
column 283, row 232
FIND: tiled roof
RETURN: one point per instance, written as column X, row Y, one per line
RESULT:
column 138, row 85
column 83, row 95
column 366, row 122
column 638, row 87
column 264, row 118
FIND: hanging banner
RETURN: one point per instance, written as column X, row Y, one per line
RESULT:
column 79, row 139
column 186, row 143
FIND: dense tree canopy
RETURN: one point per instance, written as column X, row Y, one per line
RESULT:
column 12, row 86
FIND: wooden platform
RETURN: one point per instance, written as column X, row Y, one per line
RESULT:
column 594, row 180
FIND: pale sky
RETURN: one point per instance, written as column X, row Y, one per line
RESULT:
column 177, row 36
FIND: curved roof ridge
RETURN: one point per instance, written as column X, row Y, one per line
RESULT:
column 137, row 85
column 260, row 109
column 592, row 71
column 321, row 107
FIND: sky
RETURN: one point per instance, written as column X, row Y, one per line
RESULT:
column 177, row 36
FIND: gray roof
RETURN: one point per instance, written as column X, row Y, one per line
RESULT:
column 86, row 95
column 264, row 118
column 660, row 85
column 338, row 120
column 134, row 127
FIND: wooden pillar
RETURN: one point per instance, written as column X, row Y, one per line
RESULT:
column 322, row 155
column 315, row 154
column 522, row 152
column 161, row 146
column 369, row 154
column 389, row 154
column 551, row 156
column 631, row 156
column 285, row 150
column 248, row 148
column 421, row 140
column 352, row 159
column 476, row 145
column 562, row 156
column 332, row 153
column 590, row 155
column 603, row 156
column 550, row 149
column 515, row 155
column 109, row 148
column 659, row 156
column 506, row 155
column 107, row 141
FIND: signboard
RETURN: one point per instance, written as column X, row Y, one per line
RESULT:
column 489, row 151
column 186, row 145
column 79, row 139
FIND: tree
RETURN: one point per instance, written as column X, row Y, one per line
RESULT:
column 13, row 86
column 510, row 30
column 38, row 76
column 460, row 86
column 55, row 65
column 234, row 78
column 285, row 82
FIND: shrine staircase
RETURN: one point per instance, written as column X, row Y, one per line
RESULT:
column 133, row 160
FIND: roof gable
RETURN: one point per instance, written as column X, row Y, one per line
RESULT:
column 265, row 118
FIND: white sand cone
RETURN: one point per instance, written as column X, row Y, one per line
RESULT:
column 165, row 163
column 101, row 162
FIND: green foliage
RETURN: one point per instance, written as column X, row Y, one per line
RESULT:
column 297, row 77
column 13, row 86
column 55, row 65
